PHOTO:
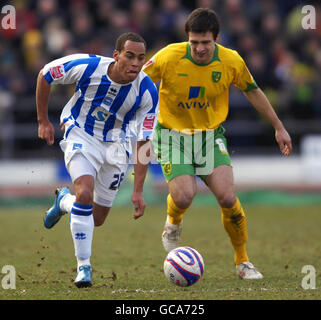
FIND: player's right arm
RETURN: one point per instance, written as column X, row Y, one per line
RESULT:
column 46, row 130
column 153, row 67
column 66, row 70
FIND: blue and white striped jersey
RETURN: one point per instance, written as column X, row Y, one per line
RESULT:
column 101, row 107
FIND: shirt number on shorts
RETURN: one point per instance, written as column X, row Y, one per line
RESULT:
column 116, row 183
column 221, row 145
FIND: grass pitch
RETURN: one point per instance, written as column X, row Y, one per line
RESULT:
column 128, row 255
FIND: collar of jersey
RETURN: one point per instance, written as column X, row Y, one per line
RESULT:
column 188, row 56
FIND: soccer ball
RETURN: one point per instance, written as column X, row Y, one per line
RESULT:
column 183, row 266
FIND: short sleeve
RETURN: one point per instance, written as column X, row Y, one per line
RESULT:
column 153, row 67
column 242, row 76
column 147, row 113
column 66, row 70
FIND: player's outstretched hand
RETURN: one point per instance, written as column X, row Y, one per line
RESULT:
column 284, row 140
column 46, row 132
column 139, row 204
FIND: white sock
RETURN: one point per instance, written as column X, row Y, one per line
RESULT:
column 82, row 262
column 67, row 202
column 82, row 229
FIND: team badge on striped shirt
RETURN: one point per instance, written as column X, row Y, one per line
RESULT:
column 57, row 72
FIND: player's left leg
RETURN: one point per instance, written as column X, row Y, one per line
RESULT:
column 98, row 194
column 83, row 174
column 82, row 228
column 221, row 183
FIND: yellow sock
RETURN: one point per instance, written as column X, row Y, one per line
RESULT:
column 234, row 222
column 175, row 214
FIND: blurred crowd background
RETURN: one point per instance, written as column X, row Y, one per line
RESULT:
column 284, row 59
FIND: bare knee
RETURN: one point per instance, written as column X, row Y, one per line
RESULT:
column 84, row 187
column 84, row 195
column 183, row 199
column 226, row 200
column 182, row 190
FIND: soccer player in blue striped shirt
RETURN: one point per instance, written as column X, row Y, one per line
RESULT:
column 114, row 108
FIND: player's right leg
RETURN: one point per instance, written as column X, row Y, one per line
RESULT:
column 54, row 214
column 180, row 178
column 77, row 166
column 182, row 191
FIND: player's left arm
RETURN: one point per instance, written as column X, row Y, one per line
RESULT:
column 146, row 118
column 140, row 170
column 261, row 103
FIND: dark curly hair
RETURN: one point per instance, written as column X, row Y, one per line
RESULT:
column 202, row 20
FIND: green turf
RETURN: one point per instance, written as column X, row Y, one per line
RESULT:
column 128, row 256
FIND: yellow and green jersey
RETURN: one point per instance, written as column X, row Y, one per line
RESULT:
column 194, row 96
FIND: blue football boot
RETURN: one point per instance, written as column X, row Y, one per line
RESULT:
column 54, row 214
column 83, row 279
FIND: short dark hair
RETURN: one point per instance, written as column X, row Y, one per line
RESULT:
column 132, row 36
column 202, row 20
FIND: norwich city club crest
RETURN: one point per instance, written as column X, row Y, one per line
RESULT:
column 216, row 76
column 167, row 167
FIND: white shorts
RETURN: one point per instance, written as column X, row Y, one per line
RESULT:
column 107, row 162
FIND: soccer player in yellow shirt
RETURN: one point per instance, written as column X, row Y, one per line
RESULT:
column 193, row 102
